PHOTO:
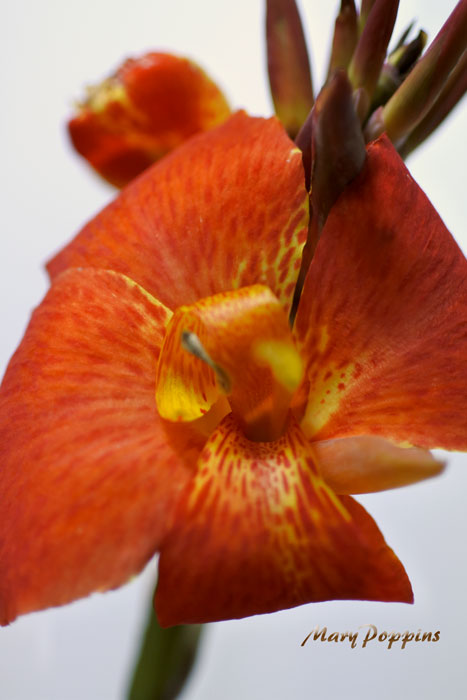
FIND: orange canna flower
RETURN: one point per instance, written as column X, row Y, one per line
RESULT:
column 160, row 401
column 146, row 109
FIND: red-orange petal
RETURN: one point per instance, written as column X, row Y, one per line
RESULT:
column 383, row 316
column 227, row 209
column 257, row 530
column 146, row 109
column 87, row 478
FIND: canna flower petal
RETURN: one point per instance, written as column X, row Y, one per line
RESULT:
column 228, row 209
column 257, row 530
column 146, row 109
column 366, row 464
column 89, row 473
column 383, row 316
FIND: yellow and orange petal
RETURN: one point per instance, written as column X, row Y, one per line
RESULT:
column 226, row 210
column 237, row 344
column 89, row 476
column 257, row 530
column 382, row 321
column 145, row 110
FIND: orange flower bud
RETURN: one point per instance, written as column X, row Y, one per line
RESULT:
column 143, row 111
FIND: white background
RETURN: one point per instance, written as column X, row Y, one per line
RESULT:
column 49, row 50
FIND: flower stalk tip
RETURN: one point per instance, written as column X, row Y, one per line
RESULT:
column 345, row 36
column 337, row 143
column 398, row 65
column 410, row 88
column 419, row 91
column 365, row 9
column 370, row 51
column 451, row 94
column 334, row 152
column 288, row 64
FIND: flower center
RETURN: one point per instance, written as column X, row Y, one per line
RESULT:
column 238, row 345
